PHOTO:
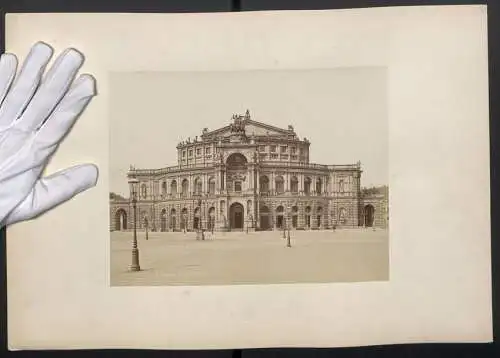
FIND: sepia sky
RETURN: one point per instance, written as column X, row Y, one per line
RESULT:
column 343, row 112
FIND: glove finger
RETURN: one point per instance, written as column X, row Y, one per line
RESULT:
column 54, row 190
column 66, row 113
column 25, row 84
column 52, row 90
column 8, row 67
column 31, row 158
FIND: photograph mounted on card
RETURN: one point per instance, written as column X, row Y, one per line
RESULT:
column 249, row 185
column 250, row 168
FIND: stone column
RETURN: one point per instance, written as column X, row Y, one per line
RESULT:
column 314, row 215
column 179, row 187
column 217, row 215
column 178, row 217
column 273, row 214
column 217, row 180
column 272, row 184
column 190, row 219
column 248, row 180
column 190, row 184
column 300, row 220
column 246, row 184
column 223, row 179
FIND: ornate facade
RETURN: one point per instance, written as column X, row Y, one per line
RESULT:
column 248, row 176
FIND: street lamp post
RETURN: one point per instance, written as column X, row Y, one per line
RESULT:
column 147, row 227
column 134, row 266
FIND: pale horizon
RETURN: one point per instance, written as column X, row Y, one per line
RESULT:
column 342, row 112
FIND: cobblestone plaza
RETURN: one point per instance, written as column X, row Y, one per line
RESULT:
column 175, row 258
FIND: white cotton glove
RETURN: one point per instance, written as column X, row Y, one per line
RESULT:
column 35, row 115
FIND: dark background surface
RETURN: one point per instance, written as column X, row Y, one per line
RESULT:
column 409, row 350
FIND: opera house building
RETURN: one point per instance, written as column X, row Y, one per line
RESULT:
column 247, row 175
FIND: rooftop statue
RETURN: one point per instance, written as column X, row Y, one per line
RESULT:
column 237, row 126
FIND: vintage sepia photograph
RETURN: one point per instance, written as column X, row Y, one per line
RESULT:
column 250, row 168
column 255, row 177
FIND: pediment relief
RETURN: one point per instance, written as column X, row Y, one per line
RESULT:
column 249, row 127
column 259, row 130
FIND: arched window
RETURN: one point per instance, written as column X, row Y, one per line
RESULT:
column 319, row 186
column 341, row 185
column 294, row 185
column 307, row 185
column 280, row 185
column 121, row 220
column 236, row 161
column 185, row 188
column 164, row 188
column 264, row 184
column 173, row 187
column 198, row 186
column 211, row 186
column 342, row 215
column 144, row 191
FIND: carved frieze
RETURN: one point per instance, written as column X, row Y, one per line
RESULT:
column 236, row 176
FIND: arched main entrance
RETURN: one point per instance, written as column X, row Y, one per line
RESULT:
column 121, row 220
column 236, row 216
column 369, row 215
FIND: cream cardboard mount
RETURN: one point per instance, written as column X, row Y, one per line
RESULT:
column 439, row 287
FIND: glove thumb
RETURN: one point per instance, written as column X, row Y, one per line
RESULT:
column 50, row 191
